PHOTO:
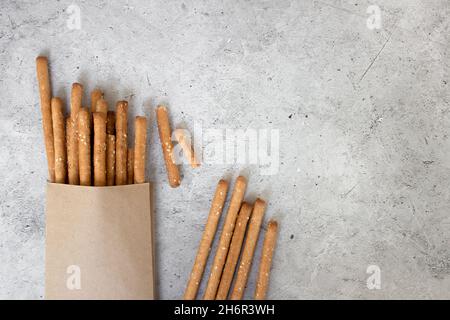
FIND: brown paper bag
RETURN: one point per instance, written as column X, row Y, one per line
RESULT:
column 98, row 242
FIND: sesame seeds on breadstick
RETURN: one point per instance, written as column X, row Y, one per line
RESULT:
column 99, row 160
column 110, row 159
column 130, row 166
column 72, row 134
column 162, row 118
column 121, row 142
column 84, row 147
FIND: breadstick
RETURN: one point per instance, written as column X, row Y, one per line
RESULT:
column 59, row 133
column 167, row 146
column 99, row 120
column 207, row 239
column 45, row 94
column 140, row 143
column 111, row 123
column 110, row 159
column 130, row 166
column 235, row 250
column 249, row 249
column 96, row 95
column 72, row 134
column 188, row 149
column 225, row 238
column 266, row 260
column 121, row 142
column 84, row 146
column 102, row 106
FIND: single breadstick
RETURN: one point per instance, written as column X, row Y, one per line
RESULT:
column 59, row 134
column 45, row 94
column 102, row 106
column 84, row 146
column 207, row 239
column 266, row 260
column 187, row 147
column 110, row 159
column 72, row 134
column 130, row 166
column 121, row 142
column 235, row 250
column 225, row 238
column 167, row 146
column 140, row 143
column 96, row 95
column 249, row 249
column 111, row 123
column 99, row 148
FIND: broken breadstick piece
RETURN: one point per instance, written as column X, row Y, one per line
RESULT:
column 266, row 260
column 110, row 159
column 167, row 146
column 235, row 250
column 140, row 143
column 130, row 166
column 207, row 239
column 111, row 122
column 184, row 139
column 121, row 142
column 249, row 249
column 84, row 146
column 99, row 120
column 59, row 134
column 102, row 106
column 45, row 94
column 225, row 238
column 72, row 134
column 96, row 95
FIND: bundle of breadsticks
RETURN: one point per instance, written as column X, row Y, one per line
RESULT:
column 89, row 146
column 238, row 240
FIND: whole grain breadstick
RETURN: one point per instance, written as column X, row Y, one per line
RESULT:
column 59, row 134
column 110, row 159
column 96, row 95
column 45, row 94
column 140, row 143
column 187, row 147
column 266, row 260
column 130, row 166
column 235, row 250
column 207, row 239
column 121, row 142
column 72, row 134
column 99, row 160
column 249, row 249
column 84, row 146
column 111, row 122
column 225, row 238
column 167, row 146
column 102, row 106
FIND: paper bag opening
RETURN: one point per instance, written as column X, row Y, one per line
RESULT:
column 99, row 242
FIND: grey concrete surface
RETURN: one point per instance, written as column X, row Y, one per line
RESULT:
column 363, row 119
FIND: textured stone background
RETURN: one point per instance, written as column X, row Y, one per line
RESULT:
column 363, row 117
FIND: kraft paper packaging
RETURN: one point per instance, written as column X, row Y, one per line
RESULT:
column 98, row 242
